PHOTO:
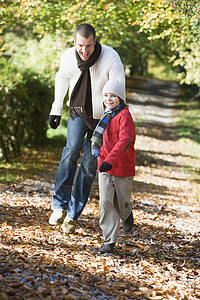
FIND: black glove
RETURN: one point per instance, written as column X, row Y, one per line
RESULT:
column 54, row 121
column 105, row 166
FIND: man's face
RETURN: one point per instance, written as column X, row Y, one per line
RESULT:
column 84, row 47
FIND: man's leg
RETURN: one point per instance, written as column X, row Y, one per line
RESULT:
column 76, row 131
column 83, row 182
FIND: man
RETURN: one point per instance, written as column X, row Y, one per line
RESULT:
column 84, row 70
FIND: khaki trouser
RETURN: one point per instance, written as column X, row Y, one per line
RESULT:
column 115, row 195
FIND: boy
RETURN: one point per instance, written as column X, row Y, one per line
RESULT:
column 116, row 163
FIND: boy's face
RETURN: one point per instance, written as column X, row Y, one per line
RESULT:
column 111, row 100
column 84, row 47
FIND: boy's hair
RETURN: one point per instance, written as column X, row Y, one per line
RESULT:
column 122, row 101
column 85, row 30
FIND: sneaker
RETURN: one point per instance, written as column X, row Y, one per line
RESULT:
column 108, row 248
column 128, row 223
column 57, row 217
column 68, row 225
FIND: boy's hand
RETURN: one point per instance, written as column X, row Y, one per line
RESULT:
column 105, row 166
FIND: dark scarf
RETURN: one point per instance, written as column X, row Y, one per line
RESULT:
column 81, row 97
column 97, row 138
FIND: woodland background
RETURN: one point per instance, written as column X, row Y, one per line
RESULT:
column 158, row 42
column 153, row 37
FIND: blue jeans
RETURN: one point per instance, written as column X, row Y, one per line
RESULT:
column 63, row 196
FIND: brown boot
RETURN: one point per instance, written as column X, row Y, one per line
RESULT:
column 57, row 217
column 128, row 223
column 68, row 225
column 107, row 248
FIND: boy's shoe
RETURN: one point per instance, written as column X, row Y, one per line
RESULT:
column 68, row 225
column 57, row 217
column 128, row 223
column 108, row 248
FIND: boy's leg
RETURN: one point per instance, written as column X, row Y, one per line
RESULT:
column 109, row 219
column 123, row 187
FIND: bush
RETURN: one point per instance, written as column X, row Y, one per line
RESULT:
column 25, row 102
column 26, row 90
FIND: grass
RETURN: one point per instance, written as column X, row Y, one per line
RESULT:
column 188, row 130
column 188, row 121
column 7, row 176
column 34, row 162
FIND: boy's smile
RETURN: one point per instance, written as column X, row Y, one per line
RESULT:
column 111, row 100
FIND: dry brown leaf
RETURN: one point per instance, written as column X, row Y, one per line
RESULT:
column 159, row 259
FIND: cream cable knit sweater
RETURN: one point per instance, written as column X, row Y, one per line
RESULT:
column 108, row 66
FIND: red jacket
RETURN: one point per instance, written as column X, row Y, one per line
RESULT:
column 118, row 145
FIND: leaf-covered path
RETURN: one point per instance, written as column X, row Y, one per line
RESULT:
column 159, row 259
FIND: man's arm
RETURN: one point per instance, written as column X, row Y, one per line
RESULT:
column 62, row 82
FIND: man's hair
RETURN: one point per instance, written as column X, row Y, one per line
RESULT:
column 85, row 30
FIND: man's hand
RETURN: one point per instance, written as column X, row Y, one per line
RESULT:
column 105, row 166
column 54, row 121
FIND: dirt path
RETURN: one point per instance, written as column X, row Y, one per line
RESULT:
column 159, row 259
column 161, row 179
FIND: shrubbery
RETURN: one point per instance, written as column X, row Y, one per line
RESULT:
column 26, row 92
column 24, row 111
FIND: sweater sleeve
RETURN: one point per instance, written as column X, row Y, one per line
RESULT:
column 62, row 82
column 116, row 68
column 116, row 71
